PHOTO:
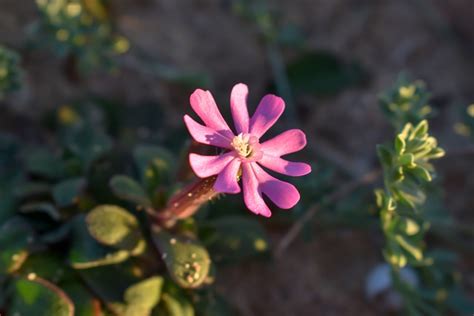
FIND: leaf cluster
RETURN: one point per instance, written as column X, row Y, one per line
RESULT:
column 406, row 102
column 80, row 28
column 409, row 205
column 79, row 228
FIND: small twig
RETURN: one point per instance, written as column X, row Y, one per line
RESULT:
column 296, row 228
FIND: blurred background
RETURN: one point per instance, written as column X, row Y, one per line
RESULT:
column 329, row 60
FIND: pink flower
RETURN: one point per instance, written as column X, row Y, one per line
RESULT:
column 244, row 153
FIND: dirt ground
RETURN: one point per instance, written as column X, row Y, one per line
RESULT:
column 432, row 40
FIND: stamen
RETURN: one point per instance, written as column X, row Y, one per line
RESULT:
column 241, row 145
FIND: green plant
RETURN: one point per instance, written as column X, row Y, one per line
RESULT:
column 80, row 231
column 10, row 73
column 80, row 28
column 406, row 208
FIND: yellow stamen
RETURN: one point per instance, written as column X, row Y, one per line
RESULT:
column 241, row 145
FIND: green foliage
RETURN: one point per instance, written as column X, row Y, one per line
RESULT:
column 15, row 239
column 66, row 192
column 154, row 165
column 79, row 221
column 405, row 102
column 174, row 302
column 85, row 304
column 406, row 168
column 141, row 298
column 234, row 238
column 146, row 293
column 188, row 262
column 81, row 28
column 405, row 203
column 113, row 226
column 43, row 163
column 10, row 73
column 36, row 296
column 86, row 252
column 128, row 189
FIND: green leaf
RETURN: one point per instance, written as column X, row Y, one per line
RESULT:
column 422, row 173
column 15, row 238
column 87, row 144
column 142, row 297
column 85, row 303
column 385, row 155
column 410, row 247
column 410, row 227
column 32, row 189
column 66, row 192
column 110, row 282
column 188, row 262
column 114, row 226
column 86, row 252
column 173, row 303
column 130, row 190
column 43, row 163
column 41, row 207
column 155, row 165
column 146, row 293
column 234, row 238
column 36, row 296
column 46, row 265
column 323, row 73
column 407, row 160
column 421, row 129
column 400, row 145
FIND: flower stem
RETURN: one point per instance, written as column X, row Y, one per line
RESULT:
column 187, row 201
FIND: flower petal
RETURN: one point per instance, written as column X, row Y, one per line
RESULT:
column 289, row 168
column 227, row 179
column 206, row 166
column 252, row 195
column 282, row 193
column 238, row 107
column 206, row 135
column 285, row 143
column 268, row 111
column 205, row 107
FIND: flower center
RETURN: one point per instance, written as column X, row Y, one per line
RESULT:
column 246, row 145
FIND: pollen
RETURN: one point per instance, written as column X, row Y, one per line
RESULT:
column 241, row 144
column 247, row 146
